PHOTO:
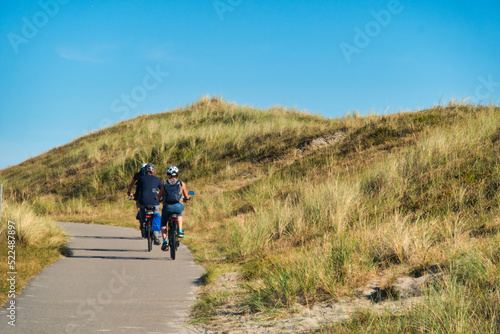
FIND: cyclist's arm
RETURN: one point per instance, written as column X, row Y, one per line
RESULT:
column 185, row 192
column 130, row 186
column 138, row 189
column 160, row 194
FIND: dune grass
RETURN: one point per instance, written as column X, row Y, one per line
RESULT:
column 306, row 209
column 304, row 237
column 37, row 243
column 465, row 301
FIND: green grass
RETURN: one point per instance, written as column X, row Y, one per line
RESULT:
column 465, row 301
column 307, row 209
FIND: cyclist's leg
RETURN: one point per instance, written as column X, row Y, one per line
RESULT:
column 179, row 216
column 142, row 219
column 165, row 215
column 178, row 208
column 142, row 214
column 164, row 222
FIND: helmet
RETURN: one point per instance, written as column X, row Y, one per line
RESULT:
column 172, row 170
column 143, row 165
column 150, row 168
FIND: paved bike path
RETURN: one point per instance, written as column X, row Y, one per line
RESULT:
column 110, row 284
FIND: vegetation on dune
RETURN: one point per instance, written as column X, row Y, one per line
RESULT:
column 207, row 141
column 307, row 209
column 34, row 243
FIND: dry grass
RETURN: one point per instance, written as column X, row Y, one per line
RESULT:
column 38, row 242
column 306, row 208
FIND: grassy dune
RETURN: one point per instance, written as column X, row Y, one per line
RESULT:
column 307, row 209
column 38, row 242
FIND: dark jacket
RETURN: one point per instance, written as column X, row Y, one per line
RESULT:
column 147, row 188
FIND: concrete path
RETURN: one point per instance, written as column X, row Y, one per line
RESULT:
column 110, row 284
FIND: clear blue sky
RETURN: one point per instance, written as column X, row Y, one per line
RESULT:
column 73, row 66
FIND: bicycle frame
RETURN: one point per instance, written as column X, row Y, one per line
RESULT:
column 173, row 229
column 148, row 227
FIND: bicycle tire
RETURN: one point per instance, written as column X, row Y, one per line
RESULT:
column 149, row 234
column 172, row 239
column 150, row 240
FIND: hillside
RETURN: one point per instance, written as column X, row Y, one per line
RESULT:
column 301, row 210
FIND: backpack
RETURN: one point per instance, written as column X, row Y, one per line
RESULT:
column 172, row 192
column 156, row 222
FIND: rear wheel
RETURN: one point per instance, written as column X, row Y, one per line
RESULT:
column 150, row 236
column 172, row 239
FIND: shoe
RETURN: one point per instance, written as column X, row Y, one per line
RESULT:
column 157, row 241
column 164, row 246
column 180, row 234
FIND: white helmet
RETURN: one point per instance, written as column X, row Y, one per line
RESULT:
column 143, row 165
column 150, row 168
column 172, row 170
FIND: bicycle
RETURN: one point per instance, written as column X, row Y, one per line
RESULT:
column 173, row 229
column 148, row 226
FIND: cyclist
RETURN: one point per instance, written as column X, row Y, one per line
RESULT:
column 146, row 191
column 172, row 192
column 136, row 177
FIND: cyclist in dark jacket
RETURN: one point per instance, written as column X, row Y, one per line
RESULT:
column 147, row 189
column 136, row 177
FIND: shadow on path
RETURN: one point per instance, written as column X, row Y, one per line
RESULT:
column 105, row 237
column 118, row 257
column 106, row 250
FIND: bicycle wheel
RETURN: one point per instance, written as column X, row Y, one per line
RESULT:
column 150, row 236
column 172, row 239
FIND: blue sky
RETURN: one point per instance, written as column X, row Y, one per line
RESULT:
column 69, row 67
